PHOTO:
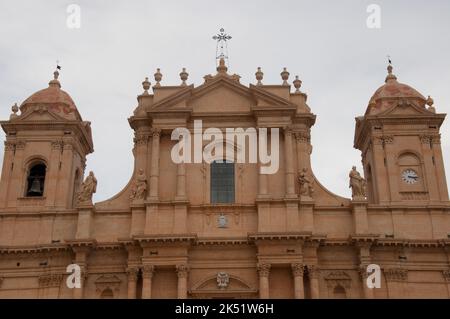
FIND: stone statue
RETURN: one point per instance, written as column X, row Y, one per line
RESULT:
column 357, row 183
column 139, row 189
column 88, row 187
column 305, row 180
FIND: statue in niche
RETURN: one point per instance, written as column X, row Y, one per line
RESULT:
column 139, row 188
column 305, row 181
column 88, row 188
column 357, row 183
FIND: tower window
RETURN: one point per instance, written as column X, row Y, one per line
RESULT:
column 222, row 182
column 36, row 180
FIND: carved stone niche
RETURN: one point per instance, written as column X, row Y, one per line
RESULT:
column 107, row 282
column 338, row 278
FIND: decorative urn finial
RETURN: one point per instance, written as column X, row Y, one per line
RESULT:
column 55, row 81
column 146, row 86
column 297, row 84
column 158, row 77
column 430, row 103
column 184, row 76
column 285, row 76
column 390, row 75
column 259, row 76
column 14, row 110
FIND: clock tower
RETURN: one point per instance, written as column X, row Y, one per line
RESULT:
column 400, row 143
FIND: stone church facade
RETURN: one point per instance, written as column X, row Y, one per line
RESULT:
column 224, row 229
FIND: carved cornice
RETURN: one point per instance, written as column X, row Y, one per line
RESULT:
column 396, row 274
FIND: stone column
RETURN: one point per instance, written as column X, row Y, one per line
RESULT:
column 132, row 279
column 304, row 147
column 181, row 181
column 289, row 169
column 429, row 168
column 182, row 272
column 154, row 168
column 16, row 188
column 313, row 275
column 392, row 170
column 379, row 174
column 446, row 275
column 297, row 272
column 141, row 138
column 264, row 271
column 51, row 179
column 8, row 160
column 147, row 275
column 439, row 163
column 64, row 197
column 81, row 255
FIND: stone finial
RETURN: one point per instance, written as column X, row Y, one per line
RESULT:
column 146, row 85
column 184, row 76
column 285, row 76
column 430, row 103
column 158, row 77
column 297, row 84
column 55, row 81
column 259, row 76
column 222, row 68
column 14, row 110
column 390, row 75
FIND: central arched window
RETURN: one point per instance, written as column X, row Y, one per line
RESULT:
column 222, row 182
column 36, row 180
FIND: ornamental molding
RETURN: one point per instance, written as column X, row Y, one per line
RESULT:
column 396, row 274
column 182, row 270
column 313, row 271
column 148, row 270
column 50, row 280
column 132, row 273
column 302, row 137
column 107, row 282
column 338, row 278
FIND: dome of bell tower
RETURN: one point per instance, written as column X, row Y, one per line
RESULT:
column 56, row 100
column 385, row 96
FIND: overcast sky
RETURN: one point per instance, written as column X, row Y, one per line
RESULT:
column 327, row 43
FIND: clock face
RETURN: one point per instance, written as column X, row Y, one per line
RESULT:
column 410, row 176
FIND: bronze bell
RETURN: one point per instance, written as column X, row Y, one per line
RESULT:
column 35, row 187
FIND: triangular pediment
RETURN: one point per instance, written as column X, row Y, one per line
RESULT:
column 405, row 108
column 221, row 94
column 37, row 114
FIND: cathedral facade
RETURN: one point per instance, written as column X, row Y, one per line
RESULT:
column 223, row 227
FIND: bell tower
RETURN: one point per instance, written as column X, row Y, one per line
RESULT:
column 45, row 151
column 400, row 143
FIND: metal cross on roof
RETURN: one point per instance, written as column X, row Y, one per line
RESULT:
column 221, row 47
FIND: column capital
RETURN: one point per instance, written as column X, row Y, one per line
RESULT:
column 132, row 273
column 302, row 137
column 313, row 271
column 263, row 269
column 156, row 132
column 148, row 270
column 446, row 274
column 297, row 269
column 182, row 270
